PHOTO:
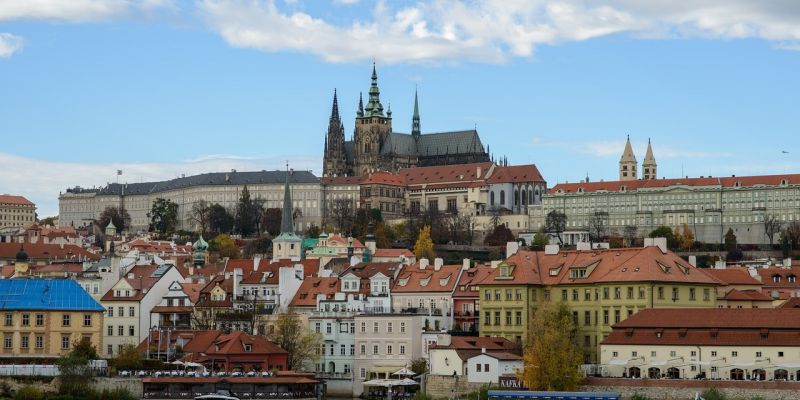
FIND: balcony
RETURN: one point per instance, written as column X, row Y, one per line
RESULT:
column 335, row 375
column 436, row 312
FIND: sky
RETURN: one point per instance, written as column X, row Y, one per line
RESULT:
column 160, row 88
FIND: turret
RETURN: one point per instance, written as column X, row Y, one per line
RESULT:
column 627, row 163
column 415, row 128
column 649, row 166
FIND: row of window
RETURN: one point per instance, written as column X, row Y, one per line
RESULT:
column 38, row 341
column 593, row 295
column 389, row 327
column 376, row 349
column 25, row 319
column 693, row 353
column 121, row 330
column 121, row 311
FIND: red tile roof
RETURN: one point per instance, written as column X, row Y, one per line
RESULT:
column 306, row 295
column 471, row 278
column 731, row 276
column 42, row 251
column 793, row 302
column 461, row 173
column 384, row 178
column 393, row 253
column 139, row 277
column 726, row 182
column 787, row 277
column 72, row 268
column 412, row 279
column 709, row 326
column 192, row 290
column 515, row 174
column 638, row 264
column 18, row 200
column 746, row 295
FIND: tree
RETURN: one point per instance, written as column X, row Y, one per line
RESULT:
column 555, row 223
column 381, row 241
column 271, row 221
column 499, row 237
column 128, row 358
column 598, row 229
column 772, row 225
column 684, row 237
column 540, row 239
column 419, row 366
column 74, row 372
column 629, row 233
column 119, row 216
column 792, row 234
column 49, row 221
column 313, row 231
column 200, row 216
column 225, row 246
column 301, row 343
column 220, row 220
column 423, row 248
column 665, row 232
column 552, row 356
column 259, row 245
column 340, row 214
column 248, row 214
column 732, row 247
column 163, row 217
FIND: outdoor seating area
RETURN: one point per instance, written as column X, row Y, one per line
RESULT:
column 244, row 387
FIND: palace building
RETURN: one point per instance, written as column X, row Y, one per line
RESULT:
column 376, row 146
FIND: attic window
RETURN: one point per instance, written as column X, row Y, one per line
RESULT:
column 776, row 278
column 580, row 190
column 636, row 269
column 555, row 271
column 792, row 278
column 764, row 333
column 714, row 333
column 248, row 347
column 784, row 182
column 577, row 273
column 623, row 188
column 664, row 268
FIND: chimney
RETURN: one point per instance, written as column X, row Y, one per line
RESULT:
column 551, row 249
column 693, row 261
column 423, row 263
column 465, row 263
column 256, row 262
column 483, row 350
column 494, row 263
column 511, row 248
column 437, row 263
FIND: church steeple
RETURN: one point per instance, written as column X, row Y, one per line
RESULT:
column 415, row 129
column 335, row 159
column 287, row 244
column 360, row 112
column 627, row 163
column 649, row 166
column 374, row 107
column 287, row 222
column 335, row 107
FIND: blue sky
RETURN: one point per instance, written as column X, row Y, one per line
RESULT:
column 158, row 88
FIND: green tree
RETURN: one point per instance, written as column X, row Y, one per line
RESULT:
column 163, row 217
column 313, row 231
column 225, row 246
column 499, row 237
column 271, row 220
column 219, row 220
column 552, row 356
column 419, row 366
column 556, row 223
column 302, row 344
column 128, row 358
column 248, row 214
column 665, row 232
column 732, row 247
column 49, row 221
column 29, row 392
column 260, row 245
column 381, row 238
column 540, row 239
column 120, row 217
column 74, row 373
column 423, row 248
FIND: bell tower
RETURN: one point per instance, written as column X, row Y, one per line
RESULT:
column 627, row 163
column 372, row 129
column 649, row 166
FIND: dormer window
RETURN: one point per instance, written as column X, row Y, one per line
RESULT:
column 577, row 273
column 776, row 278
column 784, row 182
column 248, row 348
column 792, row 278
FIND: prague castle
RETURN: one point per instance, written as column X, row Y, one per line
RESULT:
column 375, row 146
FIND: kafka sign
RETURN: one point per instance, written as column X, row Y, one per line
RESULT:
column 511, row 382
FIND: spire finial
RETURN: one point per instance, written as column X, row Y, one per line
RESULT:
column 335, row 107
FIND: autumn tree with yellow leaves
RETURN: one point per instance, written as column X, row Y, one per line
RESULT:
column 552, row 357
column 424, row 246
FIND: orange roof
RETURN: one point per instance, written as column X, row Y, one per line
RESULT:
column 731, row 276
column 445, row 173
column 234, row 343
column 470, row 278
column 515, row 173
column 793, row 302
column 192, row 290
column 384, row 178
column 726, row 182
column 139, row 277
column 18, row 200
column 311, row 287
column 393, row 253
column 746, row 295
column 639, row 264
column 158, row 246
column 337, row 239
column 42, row 251
column 413, row 279
column 779, row 277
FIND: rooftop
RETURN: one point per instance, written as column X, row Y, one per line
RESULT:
column 45, row 294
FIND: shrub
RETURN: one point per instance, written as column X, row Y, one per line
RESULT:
column 114, row 394
column 712, row 394
column 638, row 396
column 29, row 393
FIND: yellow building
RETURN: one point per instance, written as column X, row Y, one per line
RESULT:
column 44, row 318
column 602, row 287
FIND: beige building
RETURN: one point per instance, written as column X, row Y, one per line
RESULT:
column 384, row 344
column 729, row 344
column 79, row 206
column 47, row 317
column 16, row 211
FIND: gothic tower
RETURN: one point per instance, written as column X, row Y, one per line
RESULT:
column 627, row 163
column 649, row 166
column 415, row 129
column 335, row 162
column 372, row 128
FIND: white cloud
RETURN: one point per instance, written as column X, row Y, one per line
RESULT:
column 60, row 10
column 9, row 44
column 492, row 30
column 41, row 181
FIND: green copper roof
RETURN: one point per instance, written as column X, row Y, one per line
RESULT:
column 374, row 107
column 200, row 244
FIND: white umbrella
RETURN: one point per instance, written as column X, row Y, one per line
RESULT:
column 378, row 382
column 407, row 382
column 404, row 372
column 177, row 362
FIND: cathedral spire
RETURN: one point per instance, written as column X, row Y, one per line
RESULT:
column 649, row 166
column 627, row 163
column 360, row 112
column 335, row 107
column 374, row 107
column 415, row 129
column 287, row 222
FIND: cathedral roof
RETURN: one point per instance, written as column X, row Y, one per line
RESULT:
column 433, row 144
column 399, row 143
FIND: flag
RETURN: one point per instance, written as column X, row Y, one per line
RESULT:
column 119, row 172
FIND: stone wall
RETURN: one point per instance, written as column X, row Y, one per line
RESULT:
column 662, row 389
column 449, row 386
column 134, row 385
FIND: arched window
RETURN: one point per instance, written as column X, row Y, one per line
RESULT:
column 502, row 197
column 531, row 199
column 491, row 198
column 516, row 197
column 524, row 197
column 776, row 278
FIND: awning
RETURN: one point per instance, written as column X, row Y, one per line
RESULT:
column 387, row 382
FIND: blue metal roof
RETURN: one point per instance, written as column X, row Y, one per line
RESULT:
column 45, row 294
